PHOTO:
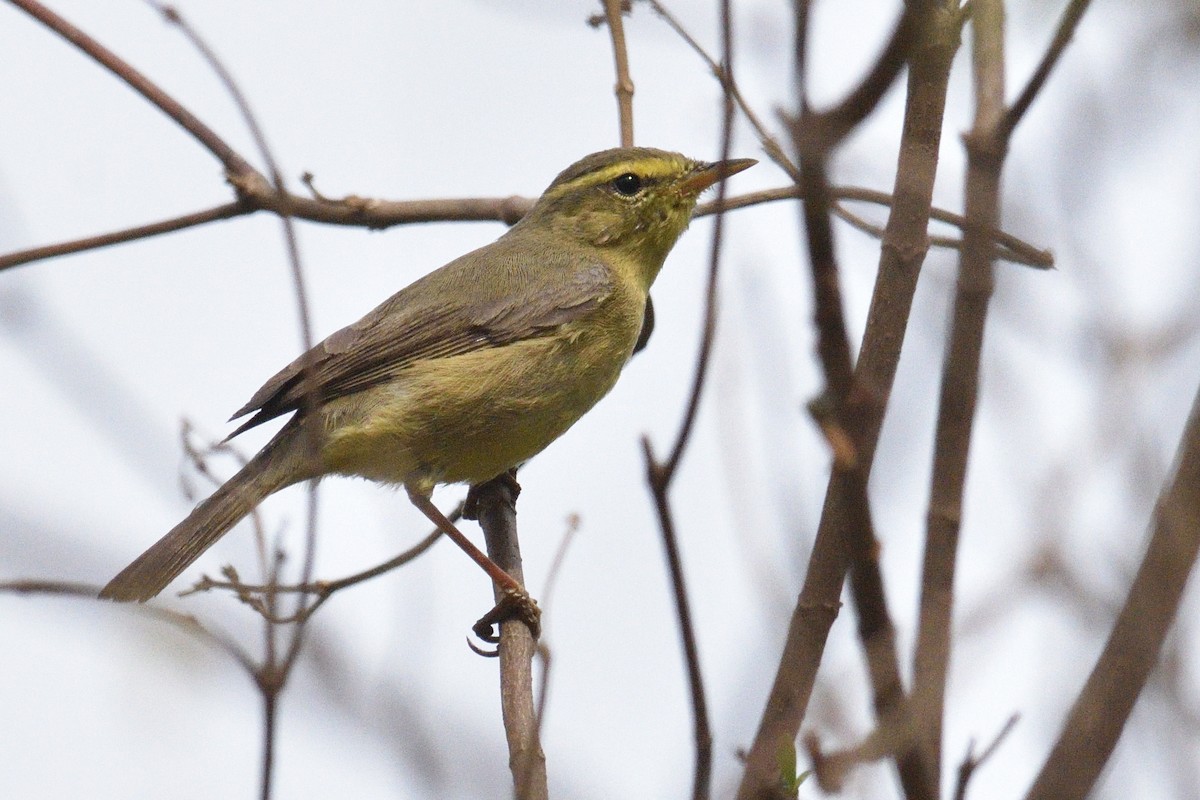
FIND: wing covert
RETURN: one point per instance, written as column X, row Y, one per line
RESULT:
column 451, row 311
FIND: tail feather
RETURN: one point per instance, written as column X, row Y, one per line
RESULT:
column 272, row 469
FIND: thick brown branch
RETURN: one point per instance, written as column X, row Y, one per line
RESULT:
column 1102, row 709
column 841, row 409
column 904, row 246
column 831, row 126
column 960, row 379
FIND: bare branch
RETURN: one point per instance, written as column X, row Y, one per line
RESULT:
column 840, row 412
column 904, row 246
column 496, row 511
column 830, row 127
column 1008, row 247
column 226, row 211
column 769, row 142
column 273, row 674
column 659, row 475
column 659, row 478
column 560, row 557
column 322, row 590
column 377, row 214
column 1062, row 37
column 960, row 378
column 890, row 736
column 254, row 194
column 1102, row 709
column 624, row 85
column 972, row 762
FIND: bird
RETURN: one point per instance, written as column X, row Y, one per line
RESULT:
column 472, row 369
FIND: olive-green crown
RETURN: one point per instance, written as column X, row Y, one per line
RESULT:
column 632, row 202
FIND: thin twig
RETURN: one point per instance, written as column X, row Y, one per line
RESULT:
column 659, row 475
column 379, row 214
column 543, row 693
column 254, row 196
column 560, row 557
column 547, row 599
column 624, row 85
column 273, row 674
column 268, row 565
column 972, row 762
column 297, row 271
column 321, row 590
column 1008, row 247
column 1062, row 37
column 226, row 211
column 261, row 597
column 769, row 142
column 708, row 332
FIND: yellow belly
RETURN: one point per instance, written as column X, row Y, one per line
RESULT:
column 468, row 418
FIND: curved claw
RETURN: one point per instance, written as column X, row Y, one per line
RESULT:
column 481, row 651
column 514, row 604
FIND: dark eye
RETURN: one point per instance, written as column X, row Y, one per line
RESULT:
column 627, row 184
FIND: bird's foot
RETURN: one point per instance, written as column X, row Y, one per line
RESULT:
column 515, row 604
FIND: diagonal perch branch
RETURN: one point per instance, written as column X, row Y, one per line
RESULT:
column 1100, row 712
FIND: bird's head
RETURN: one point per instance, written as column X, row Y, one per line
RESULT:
column 632, row 201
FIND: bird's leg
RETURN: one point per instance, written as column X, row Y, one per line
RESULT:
column 515, row 602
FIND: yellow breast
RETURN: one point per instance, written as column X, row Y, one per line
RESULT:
column 468, row 418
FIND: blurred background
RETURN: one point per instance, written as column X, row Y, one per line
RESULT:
column 1088, row 373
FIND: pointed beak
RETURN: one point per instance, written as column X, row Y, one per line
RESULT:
column 705, row 175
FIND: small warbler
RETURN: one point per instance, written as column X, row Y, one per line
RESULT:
column 474, row 368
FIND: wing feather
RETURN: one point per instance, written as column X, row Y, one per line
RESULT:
column 457, row 309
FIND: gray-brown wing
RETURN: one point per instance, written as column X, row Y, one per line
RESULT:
column 449, row 312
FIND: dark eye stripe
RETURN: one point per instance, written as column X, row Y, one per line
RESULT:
column 628, row 184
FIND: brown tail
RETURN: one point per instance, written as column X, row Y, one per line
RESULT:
column 277, row 465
